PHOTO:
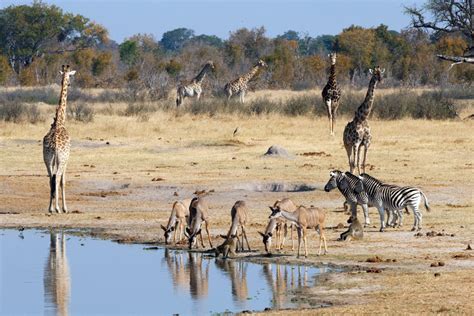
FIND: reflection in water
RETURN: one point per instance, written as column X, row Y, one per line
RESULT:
column 188, row 274
column 57, row 284
column 237, row 273
column 285, row 279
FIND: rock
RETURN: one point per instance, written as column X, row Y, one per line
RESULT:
column 434, row 264
column 441, row 263
column 468, row 247
column 373, row 270
column 437, row 274
column 277, row 151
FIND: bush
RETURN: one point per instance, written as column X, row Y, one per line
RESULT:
column 81, row 112
column 19, row 112
column 300, row 106
column 139, row 109
column 263, row 106
column 12, row 112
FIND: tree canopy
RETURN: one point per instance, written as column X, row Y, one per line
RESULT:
column 27, row 32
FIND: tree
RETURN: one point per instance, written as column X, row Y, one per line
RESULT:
column 28, row 32
column 129, row 52
column 289, row 35
column 448, row 17
column 174, row 40
column 357, row 43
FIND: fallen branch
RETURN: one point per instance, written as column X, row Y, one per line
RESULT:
column 457, row 59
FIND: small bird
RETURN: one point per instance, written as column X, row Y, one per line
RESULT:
column 236, row 131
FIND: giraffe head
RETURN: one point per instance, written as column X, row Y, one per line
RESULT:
column 332, row 57
column 377, row 73
column 261, row 63
column 66, row 73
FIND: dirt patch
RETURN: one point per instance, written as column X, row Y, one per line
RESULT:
column 277, row 187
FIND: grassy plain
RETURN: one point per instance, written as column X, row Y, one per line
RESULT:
column 125, row 172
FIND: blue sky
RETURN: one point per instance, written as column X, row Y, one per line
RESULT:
column 124, row 18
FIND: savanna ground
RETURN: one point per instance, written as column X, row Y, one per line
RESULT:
column 124, row 173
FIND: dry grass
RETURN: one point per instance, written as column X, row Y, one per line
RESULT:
column 191, row 152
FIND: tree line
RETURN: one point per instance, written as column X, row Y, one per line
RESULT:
column 36, row 39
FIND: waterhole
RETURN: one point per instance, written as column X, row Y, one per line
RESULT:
column 49, row 273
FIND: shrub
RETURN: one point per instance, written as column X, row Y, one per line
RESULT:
column 263, row 106
column 12, row 112
column 81, row 112
column 300, row 106
column 139, row 109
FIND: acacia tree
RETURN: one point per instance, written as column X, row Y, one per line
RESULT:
column 28, row 32
column 448, row 17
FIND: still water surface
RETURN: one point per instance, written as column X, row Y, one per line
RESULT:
column 55, row 273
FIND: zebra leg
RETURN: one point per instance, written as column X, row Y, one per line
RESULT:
column 382, row 218
column 365, row 208
column 418, row 218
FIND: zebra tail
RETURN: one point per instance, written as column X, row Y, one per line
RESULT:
column 426, row 201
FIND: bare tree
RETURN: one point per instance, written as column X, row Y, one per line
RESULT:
column 447, row 17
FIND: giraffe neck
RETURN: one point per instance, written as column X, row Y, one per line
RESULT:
column 332, row 76
column 61, row 109
column 363, row 111
column 202, row 74
column 246, row 78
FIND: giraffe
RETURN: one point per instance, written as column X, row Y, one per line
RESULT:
column 357, row 131
column 193, row 87
column 331, row 94
column 239, row 85
column 56, row 146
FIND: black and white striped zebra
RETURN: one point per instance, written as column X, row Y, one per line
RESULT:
column 352, row 189
column 393, row 198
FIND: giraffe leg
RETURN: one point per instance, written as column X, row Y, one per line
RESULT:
column 358, row 158
column 366, row 148
column 328, row 108
column 52, row 187
column 242, row 96
column 349, row 157
column 57, row 179
column 63, row 189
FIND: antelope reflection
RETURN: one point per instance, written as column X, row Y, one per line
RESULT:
column 284, row 280
column 188, row 274
column 237, row 272
column 56, row 279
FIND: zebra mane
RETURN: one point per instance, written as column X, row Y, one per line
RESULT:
column 352, row 176
column 369, row 177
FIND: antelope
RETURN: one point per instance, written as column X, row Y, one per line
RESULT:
column 239, row 214
column 177, row 220
column 279, row 224
column 304, row 218
column 197, row 214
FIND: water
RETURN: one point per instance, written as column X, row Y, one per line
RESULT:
column 58, row 274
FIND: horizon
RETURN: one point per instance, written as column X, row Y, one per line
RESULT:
column 153, row 16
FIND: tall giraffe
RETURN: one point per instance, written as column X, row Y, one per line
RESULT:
column 331, row 93
column 56, row 146
column 193, row 87
column 239, row 85
column 357, row 132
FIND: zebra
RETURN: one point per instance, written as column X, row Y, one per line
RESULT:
column 352, row 189
column 393, row 198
